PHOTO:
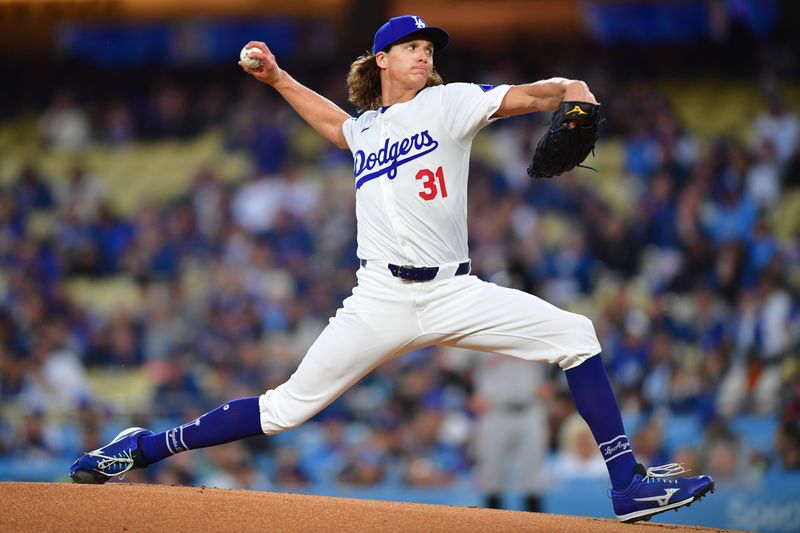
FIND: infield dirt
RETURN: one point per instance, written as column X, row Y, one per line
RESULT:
column 66, row 507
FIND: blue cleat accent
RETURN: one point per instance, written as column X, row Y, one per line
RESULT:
column 650, row 493
column 113, row 459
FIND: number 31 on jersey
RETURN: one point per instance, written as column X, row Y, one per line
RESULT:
column 432, row 183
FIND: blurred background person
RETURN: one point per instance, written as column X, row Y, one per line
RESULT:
column 511, row 433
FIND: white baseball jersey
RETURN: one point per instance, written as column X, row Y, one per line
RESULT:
column 411, row 166
column 411, row 162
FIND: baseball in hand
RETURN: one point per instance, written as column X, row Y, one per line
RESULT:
column 248, row 61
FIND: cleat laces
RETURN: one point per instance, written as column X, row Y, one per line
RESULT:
column 122, row 462
column 659, row 473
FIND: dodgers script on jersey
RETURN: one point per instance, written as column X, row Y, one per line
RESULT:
column 411, row 163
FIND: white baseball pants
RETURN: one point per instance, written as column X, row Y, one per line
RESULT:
column 386, row 317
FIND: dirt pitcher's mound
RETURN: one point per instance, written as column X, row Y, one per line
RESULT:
column 115, row 507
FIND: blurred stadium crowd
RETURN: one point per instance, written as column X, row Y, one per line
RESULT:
column 680, row 250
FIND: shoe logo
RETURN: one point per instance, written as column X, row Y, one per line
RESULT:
column 577, row 109
column 661, row 500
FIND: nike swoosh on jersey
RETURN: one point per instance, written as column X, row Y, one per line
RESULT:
column 661, row 500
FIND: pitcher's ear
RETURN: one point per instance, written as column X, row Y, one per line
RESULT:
column 380, row 59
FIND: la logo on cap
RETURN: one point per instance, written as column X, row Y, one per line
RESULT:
column 398, row 28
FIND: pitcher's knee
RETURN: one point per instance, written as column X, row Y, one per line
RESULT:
column 585, row 328
column 576, row 326
column 277, row 417
column 580, row 341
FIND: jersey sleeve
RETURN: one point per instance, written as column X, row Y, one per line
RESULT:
column 348, row 129
column 466, row 107
column 355, row 125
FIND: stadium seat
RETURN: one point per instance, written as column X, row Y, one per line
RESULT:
column 757, row 432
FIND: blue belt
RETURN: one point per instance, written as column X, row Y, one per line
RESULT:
column 411, row 273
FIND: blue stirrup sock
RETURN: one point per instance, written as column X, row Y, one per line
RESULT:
column 229, row 422
column 595, row 401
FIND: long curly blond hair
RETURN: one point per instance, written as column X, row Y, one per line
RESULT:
column 364, row 83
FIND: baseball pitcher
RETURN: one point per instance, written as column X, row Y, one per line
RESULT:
column 411, row 148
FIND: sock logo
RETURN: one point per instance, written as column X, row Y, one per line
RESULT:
column 619, row 446
column 175, row 443
column 615, row 447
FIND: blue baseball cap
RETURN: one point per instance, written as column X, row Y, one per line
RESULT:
column 399, row 27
